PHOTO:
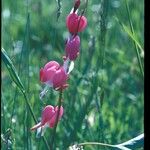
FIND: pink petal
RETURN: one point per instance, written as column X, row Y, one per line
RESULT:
column 36, row 126
column 42, row 75
column 83, row 23
column 72, row 47
column 72, row 22
column 47, row 114
column 52, row 122
column 49, row 73
column 51, row 64
column 59, row 78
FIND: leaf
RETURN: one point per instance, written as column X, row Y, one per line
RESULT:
column 13, row 73
column 133, row 143
column 130, row 34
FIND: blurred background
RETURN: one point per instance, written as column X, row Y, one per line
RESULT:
column 104, row 100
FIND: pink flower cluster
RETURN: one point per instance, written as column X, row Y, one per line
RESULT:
column 55, row 75
column 75, row 24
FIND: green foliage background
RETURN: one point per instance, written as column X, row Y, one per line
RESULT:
column 104, row 101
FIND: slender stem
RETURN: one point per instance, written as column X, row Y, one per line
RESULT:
column 57, row 118
column 58, row 9
column 136, row 47
column 79, row 22
column 80, row 18
column 32, row 114
column 96, row 143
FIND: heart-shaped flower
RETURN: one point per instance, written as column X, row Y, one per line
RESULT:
column 72, row 47
column 53, row 75
column 76, row 23
column 49, row 117
column 47, row 114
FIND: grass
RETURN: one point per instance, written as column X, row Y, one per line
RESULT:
column 104, row 100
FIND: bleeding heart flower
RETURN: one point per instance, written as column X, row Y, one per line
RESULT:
column 53, row 75
column 75, row 23
column 72, row 47
column 49, row 116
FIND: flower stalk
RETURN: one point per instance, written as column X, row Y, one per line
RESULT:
column 57, row 118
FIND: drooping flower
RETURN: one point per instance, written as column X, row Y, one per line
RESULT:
column 76, row 23
column 49, row 117
column 53, row 75
column 47, row 113
column 72, row 47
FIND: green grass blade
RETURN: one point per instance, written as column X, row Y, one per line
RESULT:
column 137, row 44
column 59, row 11
column 13, row 73
column 130, row 34
column 132, row 30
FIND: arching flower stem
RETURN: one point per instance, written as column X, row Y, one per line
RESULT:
column 57, row 118
column 79, row 22
column 96, row 143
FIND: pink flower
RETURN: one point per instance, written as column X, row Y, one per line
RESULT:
column 54, row 75
column 49, row 116
column 75, row 23
column 72, row 47
column 47, row 113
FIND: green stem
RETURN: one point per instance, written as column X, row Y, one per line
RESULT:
column 57, row 118
column 136, row 47
column 32, row 114
column 96, row 143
